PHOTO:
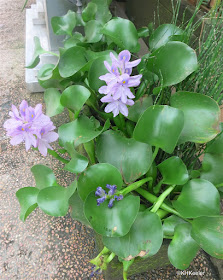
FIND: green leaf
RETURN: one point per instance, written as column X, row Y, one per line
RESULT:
column 52, row 99
column 98, row 175
column 54, row 201
column 160, row 126
column 38, row 50
column 173, row 63
column 77, row 164
column 143, row 32
column 139, row 108
column 45, row 72
column 77, row 209
column 93, row 31
column 89, row 12
column 115, row 221
column 170, row 223
column 144, row 238
column 174, row 171
column 198, row 198
column 82, row 130
column 182, row 249
column 103, row 14
column 208, row 232
column 142, row 69
column 74, row 97
column 27, row 198
column 201, row 116
column 162, row 35
column 123, row 33
column 132, row 158
column 71, row 61
column 64, row 25
column 44, row 176
column 98, row 69
column 216, row 145
column 212, row 166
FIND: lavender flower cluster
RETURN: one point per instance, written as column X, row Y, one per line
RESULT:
column 31, row 126
column 117, row 91
column 110, row 195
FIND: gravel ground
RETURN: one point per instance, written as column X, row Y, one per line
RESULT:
column 43, row 247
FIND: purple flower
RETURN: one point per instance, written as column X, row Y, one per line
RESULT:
column 111, row 201
column 112, row 189
column 47, row 136
column 117, row 91
column 116, row 106
column 110, row 195
column 118, row 197
column 100, row 192
column 31, row 126
column 101, row 200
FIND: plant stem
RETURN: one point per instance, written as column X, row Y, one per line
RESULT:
column 55, row 54
column 162, row 213
column 161, row 199
column 90, row 149
column 110, row 258
column 71, row 115
column 155, row 153
column 135, row 186
column 152, row 198
column 157, row 188
column 125, row 275
column 104, row 251
column 76, row 114
column 219, row 185
column 55, row 154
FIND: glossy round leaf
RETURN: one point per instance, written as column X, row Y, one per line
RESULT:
column 139, row 108
column 52, row 99
column 115, row 221
column 160, row 126
column 74, row 97
column 208, row 232
column 170, row 223
column 38, row 50
column 80, row 131
column 132, row 158
column 162, row 35
column 44, row 176
column 77, row 164
column 71, row 61
column 93, row 31
column 103, row 14
column 45, row 72
column 89, row 12
column 27, row 198
column 123, row 33
column 64, row 25
column 216, row 145
column 53, row 201
column 144, row 238
column 182, row 249
column 98, row 175
column 96, row 70
column 198, row 198
column 201, row 116
column 77, row 209
column 212, row 167
column 173, row 63
column 174, row 171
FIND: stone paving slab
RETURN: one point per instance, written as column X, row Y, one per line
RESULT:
column 42, row 248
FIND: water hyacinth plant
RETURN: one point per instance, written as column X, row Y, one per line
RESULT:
column 135, row 151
